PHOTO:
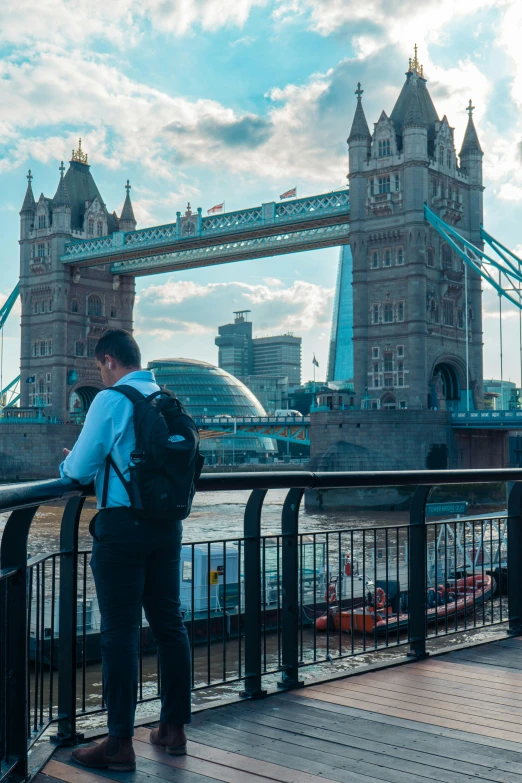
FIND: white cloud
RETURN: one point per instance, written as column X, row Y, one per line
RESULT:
column 185, row 306
column 121, row 21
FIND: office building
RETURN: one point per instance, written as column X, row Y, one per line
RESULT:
column 235, row 345
column 279, row 355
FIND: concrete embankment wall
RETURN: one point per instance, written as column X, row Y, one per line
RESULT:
column 356, row 440
column 34, row 451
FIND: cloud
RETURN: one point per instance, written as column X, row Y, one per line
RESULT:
column 121, row 22
column 246, row 40
column 183, row 306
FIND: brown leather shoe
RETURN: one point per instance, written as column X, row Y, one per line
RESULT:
column 171, row 737
column 114, row 753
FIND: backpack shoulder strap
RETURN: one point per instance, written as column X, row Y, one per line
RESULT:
column 134, row 396
column 129, row 392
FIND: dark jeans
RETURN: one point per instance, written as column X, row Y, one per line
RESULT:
column 137, row 564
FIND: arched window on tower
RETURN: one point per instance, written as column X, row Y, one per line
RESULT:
column 94, row 305
column 384, row 148
column 447, row 257
column 100, row 228
column 90, row 227
column 441, row 155
column 448, row 158
column 431, row 257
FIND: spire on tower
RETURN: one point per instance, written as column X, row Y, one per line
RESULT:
column 360, row 128
column 79, row 156
column 470, row 142
column 127, row 220
column 414, row 65
column 29, row 202
column 61, row 197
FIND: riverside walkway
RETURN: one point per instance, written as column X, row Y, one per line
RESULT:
column 455, row 718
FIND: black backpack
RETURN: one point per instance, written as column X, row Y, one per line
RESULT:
column 166, row 462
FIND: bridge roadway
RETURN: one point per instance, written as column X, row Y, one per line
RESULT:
column 453, row 718
column 293, row 429
column 487, row 420
column 195, row 241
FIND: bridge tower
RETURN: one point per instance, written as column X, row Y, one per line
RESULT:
column 64, row 310
column 408, row 293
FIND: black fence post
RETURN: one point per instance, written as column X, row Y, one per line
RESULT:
column 13, row 554
column 417, row 573
column 290, row 590
column 68, row 622
column 253, row 578
column 514, row 558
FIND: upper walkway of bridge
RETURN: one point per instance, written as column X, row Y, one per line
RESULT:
column 193, row 240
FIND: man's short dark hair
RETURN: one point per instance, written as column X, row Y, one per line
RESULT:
column 121, row 345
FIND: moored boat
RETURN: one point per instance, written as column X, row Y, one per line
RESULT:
column 376, row 615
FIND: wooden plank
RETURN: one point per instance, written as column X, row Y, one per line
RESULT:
column 468, row 748
column 417, row 736
column 237, row 761
column 146, row 771
column 506, row 717
column 189, row 762
column 313, row 693
column 339, row 746
column 70, row 773
column 471, row 670
column 448, row 693
column 463, row 680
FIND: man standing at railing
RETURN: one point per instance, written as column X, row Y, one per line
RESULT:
column 135, row 563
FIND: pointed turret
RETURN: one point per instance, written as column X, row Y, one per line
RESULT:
column 471, row 143
column 415, row 116
column 29, row 204
column 61, row 197
column 61, row 205
column 360, row 130
column 127, row 221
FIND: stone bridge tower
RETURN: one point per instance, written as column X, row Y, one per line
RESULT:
column 408, row 297
column 65, row 310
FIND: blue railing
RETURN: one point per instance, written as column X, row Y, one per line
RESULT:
column 487, row 419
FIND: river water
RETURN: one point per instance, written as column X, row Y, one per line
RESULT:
column 219, row 515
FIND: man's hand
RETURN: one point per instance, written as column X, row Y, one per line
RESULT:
column 66, row 452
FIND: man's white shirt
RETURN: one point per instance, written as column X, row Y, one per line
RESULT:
column 108, row 429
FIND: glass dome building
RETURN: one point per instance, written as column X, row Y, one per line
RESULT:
column 206, row 390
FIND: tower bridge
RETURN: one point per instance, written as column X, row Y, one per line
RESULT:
column 407, row 325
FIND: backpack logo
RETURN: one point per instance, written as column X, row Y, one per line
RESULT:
column 176, row 438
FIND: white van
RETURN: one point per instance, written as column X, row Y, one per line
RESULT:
column 287, row 412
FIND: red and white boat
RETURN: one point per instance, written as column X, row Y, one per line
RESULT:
column 453, row 599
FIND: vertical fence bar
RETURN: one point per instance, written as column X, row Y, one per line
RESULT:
column 68, row 621
column 253, row 610
column 514, row 558
column 13, row 554
column 417, row 562
column 290, row 612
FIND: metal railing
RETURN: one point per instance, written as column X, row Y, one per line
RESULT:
column 262, row 607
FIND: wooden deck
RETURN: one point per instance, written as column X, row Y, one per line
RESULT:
column 456, row 718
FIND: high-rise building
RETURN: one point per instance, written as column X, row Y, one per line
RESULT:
column 279, row 355
column 340, row 357
column 243, row 356
column 401, row 302
column 235, row 345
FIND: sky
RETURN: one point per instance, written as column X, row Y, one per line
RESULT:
column 211, row 100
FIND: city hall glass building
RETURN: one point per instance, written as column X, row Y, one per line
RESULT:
column 206, row 390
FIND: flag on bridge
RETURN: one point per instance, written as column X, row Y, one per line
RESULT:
column 289, row 194
column 31, row 379
column 217, row 208
column 314, row 361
